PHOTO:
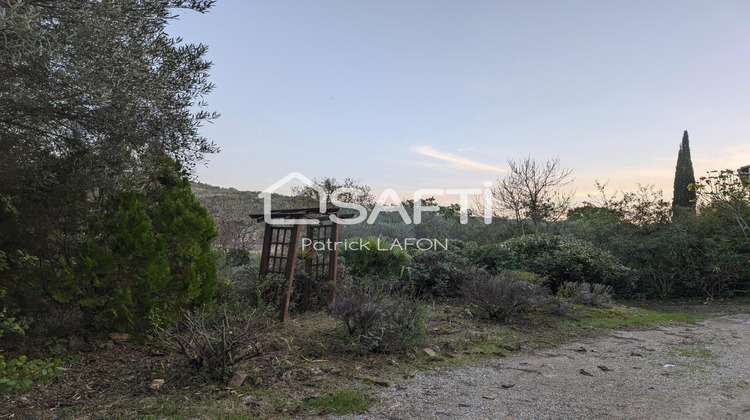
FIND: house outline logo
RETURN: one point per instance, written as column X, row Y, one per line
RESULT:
column 268, row 192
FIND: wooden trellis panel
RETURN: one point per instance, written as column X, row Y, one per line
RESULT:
column 279, row 256
column 321, row 265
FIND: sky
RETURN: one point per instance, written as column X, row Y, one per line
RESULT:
column 417, row 94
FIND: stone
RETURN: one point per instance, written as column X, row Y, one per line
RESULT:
column 157, row 383
column 238, row 379
column 430, row 352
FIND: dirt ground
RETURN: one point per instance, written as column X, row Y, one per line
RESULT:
column 669, row 371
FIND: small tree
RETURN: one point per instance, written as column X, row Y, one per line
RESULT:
column 684, row 197
column 534, row 191
column 725, row 190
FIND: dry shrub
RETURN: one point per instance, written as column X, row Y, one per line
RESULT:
column 503, row 295
column 589, row 294
column 381, row 315
column 216, row 337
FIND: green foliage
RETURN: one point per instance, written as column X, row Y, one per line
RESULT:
column 375, row 257
column 125, row 257
column 96, row 96
column 556, row 258
column 724, row 191
column 684, row 197
column 491, row 257
column 440, row 273
column 699, row 256
column 270, row 290
column 189, row 231
column 139, row 258
column 20, row 374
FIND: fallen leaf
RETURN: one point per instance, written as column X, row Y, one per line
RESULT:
column 583, row 372
column 488, row 397
column 604, row 368
column 508, row 386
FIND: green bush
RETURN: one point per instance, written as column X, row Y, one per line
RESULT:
column 375, row 258
column 492, row 257
column 146, row 252
column 440, row 273
column 20, row 373
column 562, row 260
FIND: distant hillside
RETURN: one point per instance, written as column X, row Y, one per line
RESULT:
column 231, row 208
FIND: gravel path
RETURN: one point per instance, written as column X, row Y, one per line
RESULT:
column 673, row 371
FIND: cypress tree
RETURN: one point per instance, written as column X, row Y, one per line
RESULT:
column 684, row 199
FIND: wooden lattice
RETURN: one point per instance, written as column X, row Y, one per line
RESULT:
column 280, row 252
column 320, row 265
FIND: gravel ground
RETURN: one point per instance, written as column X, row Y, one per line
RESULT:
column 672, row 371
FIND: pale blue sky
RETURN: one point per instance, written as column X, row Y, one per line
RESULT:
column 439, row 94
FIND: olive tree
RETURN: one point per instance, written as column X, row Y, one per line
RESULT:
column 95, row 97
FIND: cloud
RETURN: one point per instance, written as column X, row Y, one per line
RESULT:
column 455, row 160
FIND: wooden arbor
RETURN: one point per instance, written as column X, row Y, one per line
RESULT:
column 280, row 252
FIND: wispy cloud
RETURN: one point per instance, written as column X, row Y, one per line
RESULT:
column 455, row 160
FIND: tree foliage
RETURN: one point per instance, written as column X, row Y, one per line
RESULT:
column 144, row 259
column 97, row 103
column 351, row 191
column 684, row 197
column 725, row 191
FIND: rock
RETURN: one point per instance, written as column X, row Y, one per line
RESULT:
column 237, row 379
column 157, row 383
column 316, row 371
column 107, row 345
column 430, row 352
